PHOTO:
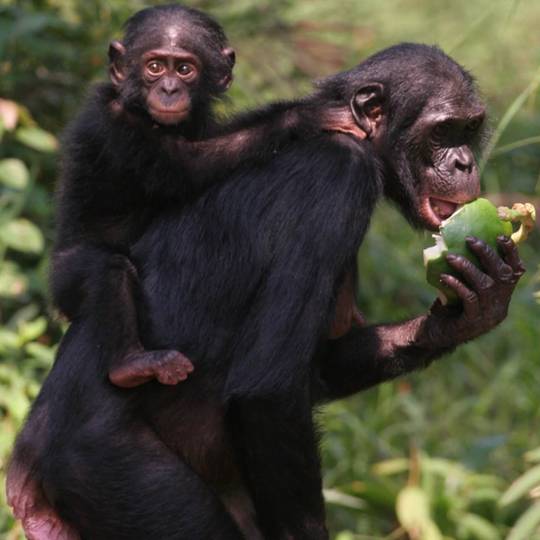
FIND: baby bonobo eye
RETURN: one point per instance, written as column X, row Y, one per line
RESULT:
column 154, row 67
column 185, row 70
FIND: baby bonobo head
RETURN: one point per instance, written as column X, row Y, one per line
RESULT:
column 172, row 62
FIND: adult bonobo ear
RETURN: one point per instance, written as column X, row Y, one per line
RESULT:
column 226, row 81
column 117, row 53
column 367, row 107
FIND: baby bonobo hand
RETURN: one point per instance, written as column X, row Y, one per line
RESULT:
column 485, row 294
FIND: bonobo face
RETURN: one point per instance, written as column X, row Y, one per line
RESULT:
column 170, row 78
column 442, row 158
column 168, row 73
column 424, row 119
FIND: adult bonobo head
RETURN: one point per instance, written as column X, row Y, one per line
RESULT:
column 422, row 113
column 172, row 61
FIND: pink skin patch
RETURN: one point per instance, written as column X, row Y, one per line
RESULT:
column 39, row 520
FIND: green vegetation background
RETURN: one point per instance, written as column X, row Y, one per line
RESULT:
column 428, row 457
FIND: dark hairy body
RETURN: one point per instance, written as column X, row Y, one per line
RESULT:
column 260, row 260
column 146, row 140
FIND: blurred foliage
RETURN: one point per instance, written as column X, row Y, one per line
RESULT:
column 436, row 455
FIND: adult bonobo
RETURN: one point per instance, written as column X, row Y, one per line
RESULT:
column 260, row 260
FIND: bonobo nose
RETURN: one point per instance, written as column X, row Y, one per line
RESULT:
column 170, row 87
column 464, row 159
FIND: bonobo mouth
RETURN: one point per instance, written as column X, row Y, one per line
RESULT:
column 441, row 208
column 169, row 116
column 434, row 211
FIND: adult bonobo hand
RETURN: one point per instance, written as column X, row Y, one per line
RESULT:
column 485, row 294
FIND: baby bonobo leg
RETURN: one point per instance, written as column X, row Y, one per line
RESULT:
column 115, row 313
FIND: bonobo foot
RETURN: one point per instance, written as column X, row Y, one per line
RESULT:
column 39, row 520
column 140, row 366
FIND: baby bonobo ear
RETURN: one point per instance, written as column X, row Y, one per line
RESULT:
column 117, row 53
column 367, row 107
column 226, row 81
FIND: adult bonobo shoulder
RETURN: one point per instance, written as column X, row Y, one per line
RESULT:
column 260, row 260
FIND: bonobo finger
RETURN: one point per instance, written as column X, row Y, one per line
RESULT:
column 471, row 306
column 472, row 274
column 511, row 255
column 492, row 264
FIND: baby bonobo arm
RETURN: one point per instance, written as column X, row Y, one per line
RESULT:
column 257, row 136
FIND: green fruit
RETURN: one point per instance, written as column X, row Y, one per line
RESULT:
column 478, row 218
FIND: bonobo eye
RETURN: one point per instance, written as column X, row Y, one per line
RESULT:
column 155, row 68
column 441, row 130
column 473, row 125
column 185, row 70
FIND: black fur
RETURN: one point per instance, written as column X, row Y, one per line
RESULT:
column 121, row 169
column 244, row 280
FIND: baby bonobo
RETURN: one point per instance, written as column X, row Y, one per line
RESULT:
column 145, row 141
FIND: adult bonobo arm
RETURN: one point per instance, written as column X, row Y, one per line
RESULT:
column 374, row 354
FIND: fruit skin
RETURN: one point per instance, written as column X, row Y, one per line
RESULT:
column 478, row 218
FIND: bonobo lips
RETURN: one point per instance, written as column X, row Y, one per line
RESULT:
column 169, row 116
column 434, row 211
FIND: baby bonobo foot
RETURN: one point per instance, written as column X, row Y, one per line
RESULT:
column 171, row 367
column 140, row 366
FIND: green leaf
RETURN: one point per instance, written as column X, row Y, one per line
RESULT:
column 521, row 486
column 526, row 525
column 391, row 466
column 15, row 400
column 345, row 535
column 412, row 509
column 334, row 496
column 9, row 341
column 14, row 174
column 31, row 330
column 478, row 528
column 37, row 138
column 533, row 456
column 43, row 354
column 13, row 282
column 22, row 235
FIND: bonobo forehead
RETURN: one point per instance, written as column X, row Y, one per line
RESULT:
column 174, row 36
column 437, row 80
column 453, row 102
column 173, row 27
column 421, row 84
column 415, row 75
